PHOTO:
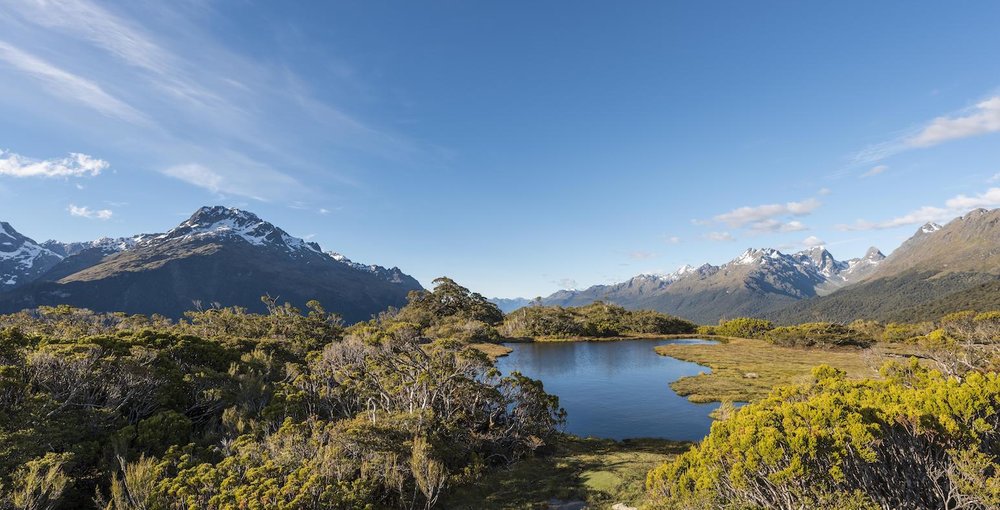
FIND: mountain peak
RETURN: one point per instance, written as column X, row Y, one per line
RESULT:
column 21, row 258
column 218, row 222
column 874, row 254
column 756, row 255
column 930, row 227
column 212, row 213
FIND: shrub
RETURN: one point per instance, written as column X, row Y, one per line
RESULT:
column 744, row 327
column 598, row 320
column 823, row 334
column 905, row 333
column 915, row 439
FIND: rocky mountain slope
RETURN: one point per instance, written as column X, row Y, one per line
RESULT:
column 22, row 260
column 759, row 281
column 938, row 270
column 219, row 255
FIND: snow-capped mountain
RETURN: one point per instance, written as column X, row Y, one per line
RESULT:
column 939, row 269
column 389, row 274
column 218, row 255
column 106, row 245
column 756, row 281
column 222, row 223
column 22, row 260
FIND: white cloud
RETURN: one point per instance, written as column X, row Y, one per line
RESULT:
column 773, row 225
column 673, row 239
column 981, row 119
column 824, row 191
column 719, row 236
column 875, row 171
column 641, row 255
column 743, row 216
column 955, row 206
column 76, row 165
column 989, row 198
column 995, row 179
column 68, row 86
column 984, row 118
column 86, row 212
column 237, row 174
column 196, row 174
column 812, row 241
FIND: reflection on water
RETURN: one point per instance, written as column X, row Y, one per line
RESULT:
column 615, row 389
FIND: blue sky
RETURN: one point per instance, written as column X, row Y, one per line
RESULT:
column 518, row 147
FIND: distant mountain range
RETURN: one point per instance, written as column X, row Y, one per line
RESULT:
column 217, row 256
column 232, row 257
column 938, row 270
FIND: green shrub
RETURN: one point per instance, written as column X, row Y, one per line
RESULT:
column 595, row 320
column 914, row 439
column 821, row 334
column 744, row 327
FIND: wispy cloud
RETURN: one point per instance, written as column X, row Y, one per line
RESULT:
column 719, row 236
column 86, row 212
column 773, row 225
column 983, row 118
column 953, row 207
column 743, row 216
column 237, row 174
column 69, row 87
column 673, row 239
column 641, row 255
column 198, row 175
column 122, row 39
column 875, row 170
column 183, row 91
column 76, row 165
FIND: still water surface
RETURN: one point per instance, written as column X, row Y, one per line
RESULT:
column 617, row 389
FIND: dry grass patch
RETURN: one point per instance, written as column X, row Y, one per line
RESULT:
column 745, row 369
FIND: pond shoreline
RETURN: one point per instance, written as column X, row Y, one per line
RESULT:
column 616, row 391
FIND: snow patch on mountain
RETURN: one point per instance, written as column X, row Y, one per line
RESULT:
column 930, row 228
column 392, row 275
column 232, row 223
column 21, row 258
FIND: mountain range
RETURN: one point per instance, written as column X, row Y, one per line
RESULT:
column 219, row 255
column 229, row 257
column 935, row 271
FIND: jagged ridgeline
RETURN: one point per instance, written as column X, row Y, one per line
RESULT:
column 217, row 256
column 940, row 269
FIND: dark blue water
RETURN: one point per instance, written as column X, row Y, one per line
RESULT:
column 617, row 389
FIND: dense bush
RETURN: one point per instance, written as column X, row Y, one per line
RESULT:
column 744, row 327
column 228, row 409
column 817, row 334
column 916, row 439
column 594, row 320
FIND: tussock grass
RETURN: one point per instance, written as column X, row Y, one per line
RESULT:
column 743, row 369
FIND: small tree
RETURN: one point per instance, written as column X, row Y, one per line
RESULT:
column 40, row 484
column 429, row 473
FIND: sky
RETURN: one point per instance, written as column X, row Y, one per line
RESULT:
column 517, row 147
